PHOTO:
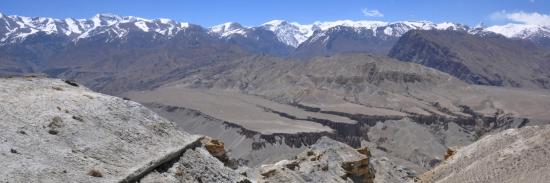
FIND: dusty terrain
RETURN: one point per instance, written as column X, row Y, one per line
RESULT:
column 262, row 107
column 514, row 155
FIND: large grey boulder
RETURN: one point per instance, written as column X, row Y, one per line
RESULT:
column 56, row 131
column 325, row 161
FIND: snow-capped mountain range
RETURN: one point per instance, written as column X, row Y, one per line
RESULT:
column 15, row 28
column 294, row 34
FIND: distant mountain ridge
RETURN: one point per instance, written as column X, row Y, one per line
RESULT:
column 15, row 28
column 112, row 53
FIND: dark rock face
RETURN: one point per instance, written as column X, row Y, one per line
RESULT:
column 342, row 39
column 544, row 41
column 31, row 55
column 435, row 56
column 487, row 59
column 261, row 41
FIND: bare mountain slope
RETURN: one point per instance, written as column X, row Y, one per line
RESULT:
column 111, row 64
column 358, row 82
column 487, row 59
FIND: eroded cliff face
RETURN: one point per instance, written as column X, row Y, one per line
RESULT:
column 249, row 147
column 391, row 135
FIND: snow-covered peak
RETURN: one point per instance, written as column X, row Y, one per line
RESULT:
column 105, row 19
column 166, row 21
column 184, row 25
column 397, row 29
column 446, row 26
column 228, row 29
column 73, row 26
column 225, row 27
column 416, row 24
column 275, row 23
column 293, row 34
column 522, row 31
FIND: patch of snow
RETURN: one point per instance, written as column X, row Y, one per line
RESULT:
column 24, row 35
column 225, row 27
column 388, row 30
column 165, row 21
column 184, row 25
column 142, row 25
column 72, row 26
column 446, row 26
column 47, row 25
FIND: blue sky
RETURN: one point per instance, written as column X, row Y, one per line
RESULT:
column 255, row 12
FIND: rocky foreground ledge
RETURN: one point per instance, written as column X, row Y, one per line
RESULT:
column 59, row 131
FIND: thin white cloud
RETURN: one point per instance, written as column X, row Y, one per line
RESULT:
column 372, row 13
column 533, row 18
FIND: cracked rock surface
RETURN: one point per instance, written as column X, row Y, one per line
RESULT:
column 52, row 131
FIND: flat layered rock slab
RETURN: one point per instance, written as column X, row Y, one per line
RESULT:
column 251, row 112
column 52, row 131
column 527, row 103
